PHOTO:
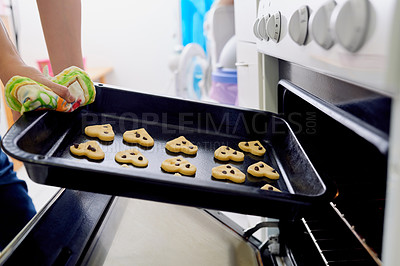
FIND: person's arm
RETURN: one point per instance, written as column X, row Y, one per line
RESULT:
column 61, row 23
column 11, row 65
column 225, row 2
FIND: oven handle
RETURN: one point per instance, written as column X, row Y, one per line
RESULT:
column 241, row 64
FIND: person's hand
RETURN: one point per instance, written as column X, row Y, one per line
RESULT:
column 34, row 74
column 11, row 65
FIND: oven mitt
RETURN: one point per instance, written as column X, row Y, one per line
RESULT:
column 24, row 94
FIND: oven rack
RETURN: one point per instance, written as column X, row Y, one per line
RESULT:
column 333, row 237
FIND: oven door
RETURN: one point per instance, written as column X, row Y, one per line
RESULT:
column 83, row 228
column 344, row 130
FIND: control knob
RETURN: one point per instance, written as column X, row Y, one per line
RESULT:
column 298, row 25
column 262, row 27
column 255, row 29
column 350, row 24
column 320, row 25
column 274, row 27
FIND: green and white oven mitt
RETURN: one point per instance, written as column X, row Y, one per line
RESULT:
column 24, row 94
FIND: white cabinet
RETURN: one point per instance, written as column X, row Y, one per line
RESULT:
column 247, row 58
column 245, row 15
column 248, row 75
column 257, row 73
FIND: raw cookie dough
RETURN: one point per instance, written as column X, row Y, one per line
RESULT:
column 254, row 147
column 132, row 156
column 228, row 172
column 139, row 136
column 90, row 149
column 181, row 144
column 269, row 187
column 261, row 169
column 103, row 132
column 224, row 153
column 178, row 165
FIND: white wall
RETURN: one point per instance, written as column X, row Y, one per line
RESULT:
column 31, row 41
column 134, row 37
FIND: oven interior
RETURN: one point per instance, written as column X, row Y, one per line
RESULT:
column 344, row 130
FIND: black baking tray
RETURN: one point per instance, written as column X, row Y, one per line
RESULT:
column 42, row 140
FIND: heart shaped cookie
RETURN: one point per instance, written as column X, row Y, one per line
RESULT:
column 254, row 147
column 103, row 132
column 269, row 187
column 178, row 165
column 90, row 149
column 225, row 153
column 261, row 169
column 132, row 156
column 139, row 136
column 228, row 172
column 181, row 144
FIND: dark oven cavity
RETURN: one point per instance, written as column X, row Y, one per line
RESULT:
column 343, row 129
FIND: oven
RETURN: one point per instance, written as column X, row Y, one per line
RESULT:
column 333, row 71
column 335, row 86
